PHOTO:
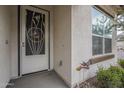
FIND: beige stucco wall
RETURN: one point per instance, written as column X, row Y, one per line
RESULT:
column 14, row 42
column 82, row 44
column 62, row 42
column 4, row 48
column 120, row 47
column 81, row 38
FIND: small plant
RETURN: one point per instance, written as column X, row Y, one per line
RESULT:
column 111, row 77
column 121, row 62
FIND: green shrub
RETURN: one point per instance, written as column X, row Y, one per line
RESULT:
column 121, row 62
column 111, row 77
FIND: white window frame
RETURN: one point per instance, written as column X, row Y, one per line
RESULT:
column 103, row 36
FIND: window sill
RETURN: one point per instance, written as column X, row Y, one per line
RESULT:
column 100, row 55
column 100, row 58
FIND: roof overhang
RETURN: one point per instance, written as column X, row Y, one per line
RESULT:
column 112, row 10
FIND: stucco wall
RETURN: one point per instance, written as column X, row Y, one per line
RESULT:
column 62, row 42
column 120, row 52
column 82, row 44
column 14, row 42
column 81, row 38
column 4, row 48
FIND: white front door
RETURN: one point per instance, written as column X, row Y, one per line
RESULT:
column 34, row 39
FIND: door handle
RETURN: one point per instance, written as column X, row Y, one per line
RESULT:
column 23, row 44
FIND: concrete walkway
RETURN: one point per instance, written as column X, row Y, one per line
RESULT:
column 43, row 79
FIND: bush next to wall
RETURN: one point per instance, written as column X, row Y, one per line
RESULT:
column 121, row 62
column 112, row 77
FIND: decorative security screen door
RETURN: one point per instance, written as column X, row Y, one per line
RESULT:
column 34, row 41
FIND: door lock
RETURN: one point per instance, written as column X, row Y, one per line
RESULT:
column 23, row 44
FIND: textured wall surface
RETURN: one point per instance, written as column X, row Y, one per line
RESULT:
column 4, row 47
column 62, row 42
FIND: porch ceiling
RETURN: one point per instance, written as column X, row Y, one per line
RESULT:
column 113, row 9
column 119, row 9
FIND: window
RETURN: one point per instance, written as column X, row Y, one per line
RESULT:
column 108, row 49
column 97, row 45
column 101, row 33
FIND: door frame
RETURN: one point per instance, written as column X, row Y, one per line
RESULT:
column 19, row 36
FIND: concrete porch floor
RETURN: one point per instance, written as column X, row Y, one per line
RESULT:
column 45, row 79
